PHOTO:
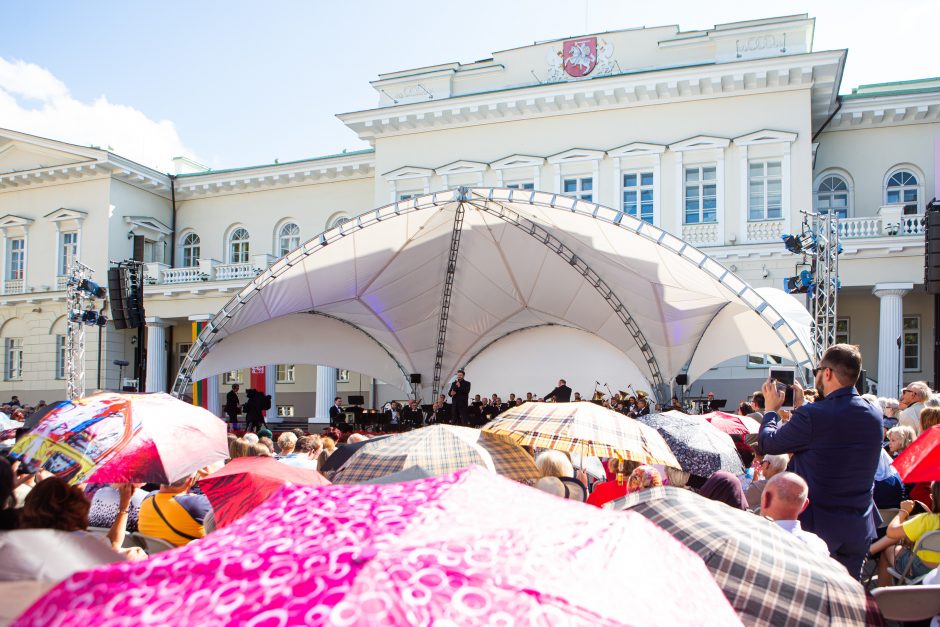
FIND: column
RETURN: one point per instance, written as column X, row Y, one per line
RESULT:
column 889, row 330
column 326, row 391
column 270, row 382
column 156, row 354
column 212, row 396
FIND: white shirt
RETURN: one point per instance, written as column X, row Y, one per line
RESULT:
column 300, row 461
column 910, row 417
column 814, row 542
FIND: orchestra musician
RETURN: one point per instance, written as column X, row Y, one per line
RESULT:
column 561, row 394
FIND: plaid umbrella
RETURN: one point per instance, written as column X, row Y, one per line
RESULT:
column 470, row 548
column 700, row 448
column 438, row 449
column 582, row 428
column 770, row 577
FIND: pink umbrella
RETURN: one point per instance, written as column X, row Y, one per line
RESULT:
column 732, row 424
column 114, row 438
column 467, row 548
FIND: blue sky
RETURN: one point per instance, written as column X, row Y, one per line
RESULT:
column 240, row 83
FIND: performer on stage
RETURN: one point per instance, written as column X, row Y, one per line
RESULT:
column 460, row 393
column 561, row 394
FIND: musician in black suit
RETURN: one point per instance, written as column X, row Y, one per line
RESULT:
column 561, row 394
column 232, row 405
column 460, row 397
column 337, row 414
column 412, row 416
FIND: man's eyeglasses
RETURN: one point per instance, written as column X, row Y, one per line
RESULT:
column 820, row 369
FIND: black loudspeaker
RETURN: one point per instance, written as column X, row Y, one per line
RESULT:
column 416, row 377
column 860, row 384
column 357, row 400
column 134, row 303
column 682, row 379
column 932, row 250
column 116, row 296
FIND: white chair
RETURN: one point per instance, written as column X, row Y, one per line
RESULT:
column 908, row 603
column 928, row 542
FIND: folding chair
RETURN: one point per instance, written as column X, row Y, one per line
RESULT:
column 152, row 545
column 908, row 603
column 928, row 542
column 887, row 515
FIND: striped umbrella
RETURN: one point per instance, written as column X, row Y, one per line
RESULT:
column 439, row 450
column 701, row 448
column 583, row 429
column 769, row 576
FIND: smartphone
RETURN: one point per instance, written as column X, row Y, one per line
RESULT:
column 784, row 376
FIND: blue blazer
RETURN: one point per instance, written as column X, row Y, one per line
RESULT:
column 836, row 444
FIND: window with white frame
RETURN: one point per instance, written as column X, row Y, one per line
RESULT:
column 408, row 195
column 190, row 250
column 238, row 246
column 765, row 190
column 182, row 349
column 16, row 258
column 903, row 187
column 232, row 376
column 342, row 376
column 521, row 185
column 833, row 195
column 701, row 194
column 581, row 187
column 842, row 331
column 638, row 195
column 60, row 356
column 68, row 250
column 763, row 361
column 288, row 238
column 285, row 411
column 285, row 373
column 338, row 221
column 14, row 359
column 911, row 343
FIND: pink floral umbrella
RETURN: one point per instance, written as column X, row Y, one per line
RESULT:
column 467, row 548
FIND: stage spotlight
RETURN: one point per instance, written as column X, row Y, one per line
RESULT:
column 798, row 244
column 92, row 288
column 799, row 284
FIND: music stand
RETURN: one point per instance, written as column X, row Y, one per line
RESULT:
column 717, row 404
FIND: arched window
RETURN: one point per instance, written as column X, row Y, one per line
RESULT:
column 833, row 195
column 902, row 187
column 190, row 250
column 337, row 221
column 288, row 238
column 238, row 246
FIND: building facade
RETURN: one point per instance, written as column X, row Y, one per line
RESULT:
column 721, row 136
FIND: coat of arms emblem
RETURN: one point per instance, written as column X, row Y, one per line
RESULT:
column 580, row 56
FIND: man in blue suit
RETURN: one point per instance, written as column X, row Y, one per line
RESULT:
column 836, row 443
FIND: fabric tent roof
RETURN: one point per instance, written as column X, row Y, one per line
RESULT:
column 524, row 259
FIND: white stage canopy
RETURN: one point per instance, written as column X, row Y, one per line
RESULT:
column 425, row 285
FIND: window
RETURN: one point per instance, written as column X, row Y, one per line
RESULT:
column 60, row 356
column 765, row 190
column 911, row 343
column 191, row 250
column 288, row 238
column 638, row 195
column 580, row 188
column 68, row 251
column 16, row 258
column 342, row 376
column 182, row 349
column 407, row 196
column 238, row 246
column 285, row 373
column 902, row 187
column 763, row 361
column 520, row 185
column 701, row 195
column 337, row 221
column 285, row 411
column 14, row 358
column 232, row 376
column 833, row 195
column 842, row 331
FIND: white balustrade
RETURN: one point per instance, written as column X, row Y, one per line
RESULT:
column 765, row 231
column 61, row 282
column 701, row 234
column 229, row 271
column 912, row 225
column 17, row 286
column 850, row 228
column 184, row 275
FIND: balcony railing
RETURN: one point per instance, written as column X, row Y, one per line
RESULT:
column 229, row 271
column 61, row 282
column 14, row 286
column 702, row 234
column 880, row 226
column 171, row 276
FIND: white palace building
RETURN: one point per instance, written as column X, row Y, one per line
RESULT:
column 720, row 136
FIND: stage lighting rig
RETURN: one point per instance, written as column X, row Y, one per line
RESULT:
column 799, row 284
column 93, row 289
column 801, row 244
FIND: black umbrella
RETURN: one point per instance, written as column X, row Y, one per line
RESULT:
column 34, row 418
column 342, row 453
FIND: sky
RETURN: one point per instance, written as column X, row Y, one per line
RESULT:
column 239, row 83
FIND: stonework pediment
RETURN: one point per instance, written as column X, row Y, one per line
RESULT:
column 18, row 157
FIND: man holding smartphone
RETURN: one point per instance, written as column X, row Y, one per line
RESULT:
column 836, row 444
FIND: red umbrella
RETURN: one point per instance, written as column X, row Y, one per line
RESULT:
column 920, row 461
column 732, row 424
column 470, row 548
column 246, row 482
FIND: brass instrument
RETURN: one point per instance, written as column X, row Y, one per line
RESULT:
column 598, row 396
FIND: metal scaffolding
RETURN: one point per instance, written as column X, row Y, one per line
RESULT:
column 824, row 293
column 77, row 301
column 463, row 195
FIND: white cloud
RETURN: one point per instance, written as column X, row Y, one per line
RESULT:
column 34, row 101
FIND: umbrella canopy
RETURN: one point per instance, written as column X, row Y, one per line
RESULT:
column 36, row 417
column 732, row 424
column 582, row 428
column 50, row 554
column 412, row 473
column 921, row 460
column 246, row 482
column 468, row 548
column 592, row 466
column 438, row 449
column 700, row 448
column 341, row 454
column 770, row 577
column 115, row 438
column 7, row 423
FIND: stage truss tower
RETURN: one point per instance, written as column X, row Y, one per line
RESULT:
column 77, row 301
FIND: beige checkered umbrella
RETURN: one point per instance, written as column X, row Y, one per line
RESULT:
column 438, row 449
column 582, row 429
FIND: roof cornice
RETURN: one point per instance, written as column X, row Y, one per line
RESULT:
column 888, row 110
